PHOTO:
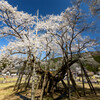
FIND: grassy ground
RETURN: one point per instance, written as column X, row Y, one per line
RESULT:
column 6, row 90
column 7, row 93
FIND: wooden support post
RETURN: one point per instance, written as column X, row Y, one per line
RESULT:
column 87, row 77
column 43, row 87
column 83, row 82
column 65, row 86
column 74, row 84
column 68, row 80
column 33, row 84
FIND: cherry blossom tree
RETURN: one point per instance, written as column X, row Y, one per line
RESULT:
column 67, row 30
column 37, row 39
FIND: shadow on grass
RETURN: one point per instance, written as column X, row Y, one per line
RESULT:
column 22, row 97
column 89, row 95
column 61, row 96
column 8, row 87
column 17, row 96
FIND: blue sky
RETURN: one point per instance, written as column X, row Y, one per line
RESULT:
column 44, row 6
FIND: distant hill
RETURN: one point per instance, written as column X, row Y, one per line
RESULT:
column 91, row 61
column 91, row 56
column 96, row 56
